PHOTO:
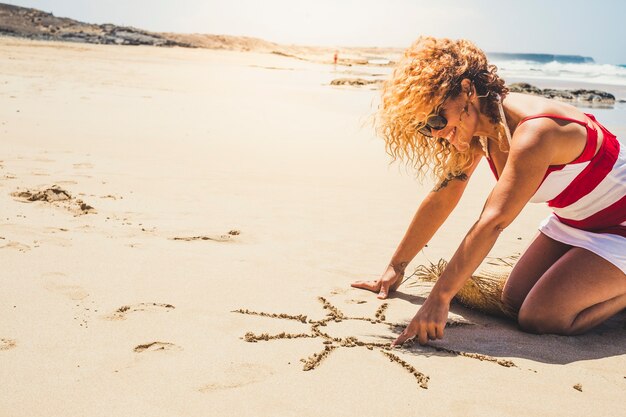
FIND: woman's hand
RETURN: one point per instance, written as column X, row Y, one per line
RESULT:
column 387, row 283
column 428, row 323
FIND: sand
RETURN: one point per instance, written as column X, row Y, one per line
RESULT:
column 228, row 192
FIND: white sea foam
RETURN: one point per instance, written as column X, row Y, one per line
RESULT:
column 584, row 72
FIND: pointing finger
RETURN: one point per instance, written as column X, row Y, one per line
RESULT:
column 404, row 336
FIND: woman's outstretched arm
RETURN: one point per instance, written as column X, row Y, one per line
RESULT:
column 430, row 215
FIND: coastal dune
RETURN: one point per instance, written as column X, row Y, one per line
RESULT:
column 179, row 230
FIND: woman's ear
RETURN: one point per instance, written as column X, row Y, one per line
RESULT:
column 467, row 87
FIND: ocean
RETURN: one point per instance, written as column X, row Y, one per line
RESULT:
column 570, row 72
column 571, row 68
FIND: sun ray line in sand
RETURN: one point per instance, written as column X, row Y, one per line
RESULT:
column 380, row 313
column 301, row 318
column 421, row 378
column 251, row 337
column 314, row 360
column 332, row 343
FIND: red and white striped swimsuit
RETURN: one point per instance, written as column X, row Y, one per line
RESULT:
column 587, row 195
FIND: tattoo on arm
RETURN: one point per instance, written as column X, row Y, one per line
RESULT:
column 443, row 184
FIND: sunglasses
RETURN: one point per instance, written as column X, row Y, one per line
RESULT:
column 435, row 121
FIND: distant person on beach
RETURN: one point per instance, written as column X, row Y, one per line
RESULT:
column 335, row 57
column 443, row 110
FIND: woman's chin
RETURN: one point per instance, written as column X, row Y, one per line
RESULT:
column 461, row 147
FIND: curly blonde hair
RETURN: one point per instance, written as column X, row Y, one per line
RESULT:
column 431, row 70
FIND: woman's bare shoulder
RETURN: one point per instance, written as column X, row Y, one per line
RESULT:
column 561, row 139
column 527, row 105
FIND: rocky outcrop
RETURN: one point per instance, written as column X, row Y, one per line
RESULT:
column 38, row 25
column 35, row 24
column 578, row 96
column 354, row 81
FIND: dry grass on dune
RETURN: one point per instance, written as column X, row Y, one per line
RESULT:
column 483, row 290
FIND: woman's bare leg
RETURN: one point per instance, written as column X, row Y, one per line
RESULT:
column 542, row 253
column 578, row 292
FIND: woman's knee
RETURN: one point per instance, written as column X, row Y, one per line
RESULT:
column 529, row 321
column 533, row 321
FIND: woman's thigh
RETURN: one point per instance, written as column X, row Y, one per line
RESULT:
column 542, row 253
column 578, row 292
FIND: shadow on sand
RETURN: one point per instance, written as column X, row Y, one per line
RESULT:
column 497, row 337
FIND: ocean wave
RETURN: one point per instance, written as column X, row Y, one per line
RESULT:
column 540, row 58
column 587, row 72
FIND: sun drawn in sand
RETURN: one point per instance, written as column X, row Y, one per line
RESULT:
column 332, row 343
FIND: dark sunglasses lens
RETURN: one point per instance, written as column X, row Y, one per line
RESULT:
column 425, row 130
column 436, row 122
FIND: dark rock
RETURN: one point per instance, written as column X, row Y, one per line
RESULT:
column 354, row 81
column 563, row 95
column 524, row 88
column 579, row 95
column 594, row 96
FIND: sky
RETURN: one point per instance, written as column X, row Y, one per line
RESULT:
column 572, row 27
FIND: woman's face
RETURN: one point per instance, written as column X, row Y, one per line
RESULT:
column 462, row 120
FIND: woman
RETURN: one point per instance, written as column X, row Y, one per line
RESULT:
column 443, row 110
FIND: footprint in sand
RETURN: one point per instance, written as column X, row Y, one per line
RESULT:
column 156, row 347
column 339, row 290
column 54, row 229
column 83, row 308
column 73, row 292
column 112, row 197
column 123, row 311
column 217, row 238
column 6, row 344
column 83, row 165
column 353, row 301
column 16, row 246
column 238, row 375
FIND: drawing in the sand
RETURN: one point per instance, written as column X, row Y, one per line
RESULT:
column 331, row 343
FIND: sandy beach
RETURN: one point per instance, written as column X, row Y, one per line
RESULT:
column 187, row 190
